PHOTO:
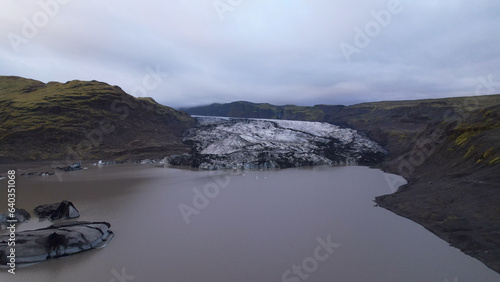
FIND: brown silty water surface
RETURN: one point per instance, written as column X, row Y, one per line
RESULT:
column 301, row 224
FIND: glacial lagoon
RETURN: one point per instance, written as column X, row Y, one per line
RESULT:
column 297, row 224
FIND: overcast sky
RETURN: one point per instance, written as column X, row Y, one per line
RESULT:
column 301, row 52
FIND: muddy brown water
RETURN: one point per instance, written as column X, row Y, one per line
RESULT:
column 301, row 224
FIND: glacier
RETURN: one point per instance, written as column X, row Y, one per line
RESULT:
column 244, row 143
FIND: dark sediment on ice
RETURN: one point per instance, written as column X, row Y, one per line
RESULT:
column 57, row 240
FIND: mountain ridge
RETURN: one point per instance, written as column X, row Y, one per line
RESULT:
column 84, row 120
column 400, row 119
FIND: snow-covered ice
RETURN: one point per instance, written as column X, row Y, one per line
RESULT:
column 252, row 143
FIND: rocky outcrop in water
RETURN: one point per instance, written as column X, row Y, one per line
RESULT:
column 219, row 143
column 57, row 240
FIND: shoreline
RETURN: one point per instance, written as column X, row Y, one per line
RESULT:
column 453, row 211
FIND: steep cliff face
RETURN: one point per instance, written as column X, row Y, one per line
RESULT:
column 84, row 120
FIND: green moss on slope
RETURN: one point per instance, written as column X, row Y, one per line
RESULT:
column 45, row 121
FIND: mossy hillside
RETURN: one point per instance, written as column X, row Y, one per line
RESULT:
column 419, row 109
column 456, row 181
column 302, row 113
column 41, row 121
column 478, row 136
column 250, row 110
